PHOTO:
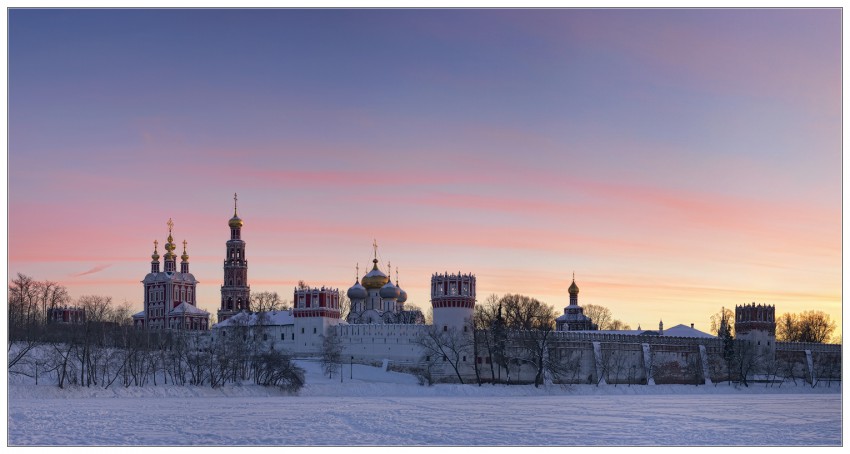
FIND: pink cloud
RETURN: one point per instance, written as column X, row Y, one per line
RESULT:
column 94, row 270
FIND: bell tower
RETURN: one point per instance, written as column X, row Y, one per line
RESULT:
column 235, row 292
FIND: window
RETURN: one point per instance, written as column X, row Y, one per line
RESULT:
column 293, row 336
column 281, row 336
column 302, row 330
column 464, row 329
column 445, row 328
column 464, row 359
column 265, row 337
column 314, row 330
column 427, row 358
column 445, row 358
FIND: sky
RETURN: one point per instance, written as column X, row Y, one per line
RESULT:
column 677, row 161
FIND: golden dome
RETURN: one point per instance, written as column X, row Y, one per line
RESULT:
column 235, row 222
column 375, row 279
column 155, row 256
column 185, row 256
column 574, row 288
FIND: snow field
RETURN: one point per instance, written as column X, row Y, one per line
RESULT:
column 388, row 408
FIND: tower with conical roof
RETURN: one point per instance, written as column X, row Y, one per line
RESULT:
column 235, row 291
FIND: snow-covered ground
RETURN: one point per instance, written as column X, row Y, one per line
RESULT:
column 388, row 408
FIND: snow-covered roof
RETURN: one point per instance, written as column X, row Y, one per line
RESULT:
column 276, row 318
column 675, row 331
column 629, row 332
column 139, row 314
column 186, row 308
column 685, row 331
column 163, row 276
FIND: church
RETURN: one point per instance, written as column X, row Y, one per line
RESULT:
column 170, row 296
column 378, row 300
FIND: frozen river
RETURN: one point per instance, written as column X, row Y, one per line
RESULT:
column 692, row 419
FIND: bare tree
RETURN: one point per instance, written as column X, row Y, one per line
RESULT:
column 808, row 326
column 600, row 315
column 331, row 353
column 618, row 325
column 746, row 360
column 565, row 365
column 23, row 309
column 265, row 301
column 483, row 319
column 722, row 316
column 817, row 326
column 451, row 346
column 344, row 305
column 277, row 369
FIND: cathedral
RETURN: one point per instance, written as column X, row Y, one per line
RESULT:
column 378, row 300
column 170, row 295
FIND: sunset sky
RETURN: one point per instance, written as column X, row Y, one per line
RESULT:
column 677, row 161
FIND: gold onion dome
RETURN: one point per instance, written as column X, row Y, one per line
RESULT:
column 574, row 288
column 235, row 222
column 169, row 247
column 375, row 279
column 185, row 256
column 155, row 256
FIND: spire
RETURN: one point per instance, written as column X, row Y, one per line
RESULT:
column 184, row 265
column 155, row 258
column 375, row 248
column 396, row 276
column 169, row 246
column 357, row 273
column 389, row 270
column 235, row 223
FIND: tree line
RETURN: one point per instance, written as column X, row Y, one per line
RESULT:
column 104, row 349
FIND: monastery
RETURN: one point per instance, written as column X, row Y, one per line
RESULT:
column 379, row 329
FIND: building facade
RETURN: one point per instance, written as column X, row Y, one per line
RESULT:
column 72, row 315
